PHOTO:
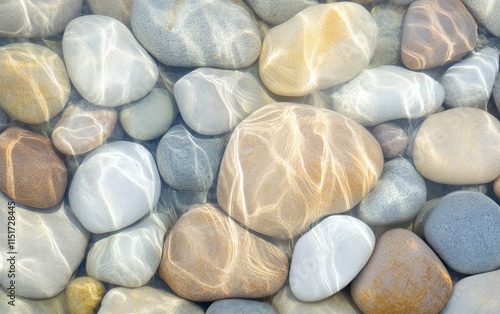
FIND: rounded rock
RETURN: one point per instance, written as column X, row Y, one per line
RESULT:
column 487, row 13
column 279, row 11
column 83, row 295
column 392, row 139
column 240, row 306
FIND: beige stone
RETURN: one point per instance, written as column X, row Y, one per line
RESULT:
column 117, row 9
column 83, row 295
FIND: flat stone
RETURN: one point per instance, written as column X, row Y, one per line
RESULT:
column 328, row 257
column 105, row 62
column 463, row 230
column 224, row 260
column 437, row 32
column 387, row 93
column 31, row 173
column 117, row 9
column 115, row 186
column 310, row 150
column 403, row 276
column 240, row 306
column 84, row 295
column 487, row 13
column 34, row 85
column 392, row 139
column 458, row 146
column 279, row 11
column 322, row 46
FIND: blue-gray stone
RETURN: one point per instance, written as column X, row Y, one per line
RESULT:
column 240, row 306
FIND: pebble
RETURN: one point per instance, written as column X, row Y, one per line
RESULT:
column 149, row 117
column 328, row 257
column 392, row 139
column 117, row 9
column 115, row 186
column 3, row 120
column 31, row 172
column 496, row 92
column 55, row 305
column 214, row 101
column 299, row 155
column 469, row 83
column 83, row 295
column 240, row 306
column 487, row 13
column 387, row 93
column 396, row 197
column 105, row 62
column 403, row 276
column 458, row 146
column 279, row 11
column 219, row 249
column 496, row 187
column 430, row 39
column 34, row 85
column 322, row 46
column 194, row 33
column 463, row 230
column 83, row 127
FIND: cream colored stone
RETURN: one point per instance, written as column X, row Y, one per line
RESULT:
column 83, row 295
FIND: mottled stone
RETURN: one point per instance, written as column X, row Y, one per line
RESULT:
column 31, row 173
column 279, row 11
column 83, row 295
column 223, row 260
column 240, row 306
column 436, row 32
column 83, row 127
column 403, row 276
column 117, row 9
column 322, row 46
column 458, row 146
column 288, row 165
column 487, row 13
column 392, row 139
column 34, row 85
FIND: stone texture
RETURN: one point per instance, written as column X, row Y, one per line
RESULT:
column 458, row 146
column 387, row 93
column 279, row 11
column 463, row 230
column 27, row 18
column 403, row 276
column 50, row 245
column 83, row 127
column 328, row 257
column 392, row 139
column 214, row 101
column 55, row 305
column 322, row 46
column 496, row 92
column 149, row 117
column 288, row 165
column 145, row 300
column 436, row 32
column 487, row 13
column 496, row 187
column 223, row 261
column 34, row 85
column 197, row 33
column 31, row 173
column 84, row 295
column 117, row 9
column 105, row 62
column 115, row 186
column 240, row 306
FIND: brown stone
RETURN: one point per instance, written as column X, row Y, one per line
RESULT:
column 436, row 32
column 83, row 295
column 207, row 256
column 287, row 165
column 403, row 276
column 30, row 171
column 392, row 139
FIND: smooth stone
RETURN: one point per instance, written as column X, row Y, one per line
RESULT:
column 240, row 306
column 83, row 127
column 437, row 32
column 214, row 101
column 404, row 3
column 496, row 92
column 50, row 245
column 403, row 276
column 392, row 139
column 423, row 214
column 328, row 257
column 187, row 160
column 31, row 172
column 219, row 249
column 145, row 300
column 105, row 62
column 3, row 119
column 469, row 83
column 83, row 295
column 27, row 18
column 197, row 33
column 55, row 305
column 117, row 9
column 288, row 165
column 149, row 117
column 487, row 13
column 463, row 230
column 322, row 46
column 475, row 294
column 115, row 186
column 279, row 11
column 496, row 187
column 130, row 256
column 179, row 200
column 34, row 85
column 387, row 93
column 397, row 196
column 458, row 146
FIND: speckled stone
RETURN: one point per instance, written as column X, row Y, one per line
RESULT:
column 403, row 276
column 31, row 173
column 34, row 85
column 117, row 9
column 84, row 295
column 240, row 306
column 392, row 139
column 279, row 11
column 463, row 229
